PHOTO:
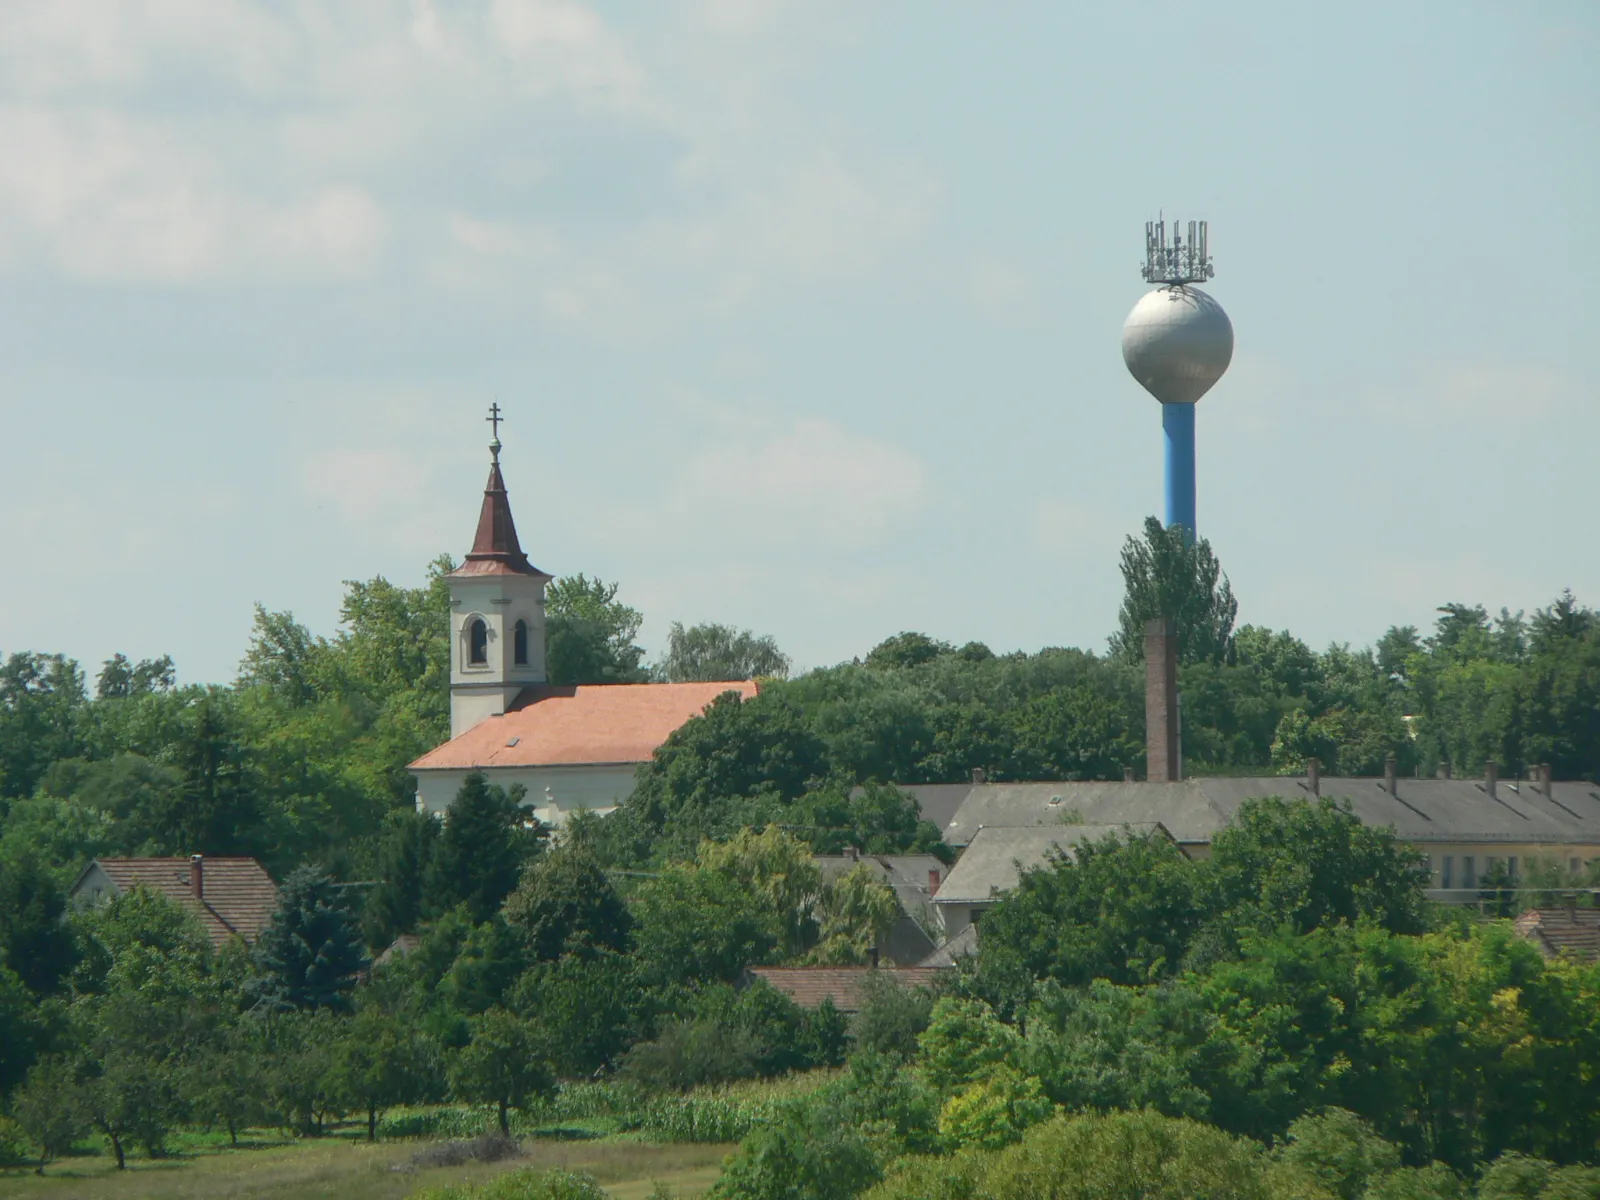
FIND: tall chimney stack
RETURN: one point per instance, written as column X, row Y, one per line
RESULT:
column 1391, row 782
column 1314, row 775
column 197, row 876
column 1162, row 754
column 933, row 881
column 1491, row 776
column 979, row 775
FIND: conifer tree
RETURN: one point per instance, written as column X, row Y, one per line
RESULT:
column 481, row 850
column 312, row 953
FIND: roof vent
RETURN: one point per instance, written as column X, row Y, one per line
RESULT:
column 512, row 741
column 1054, row 800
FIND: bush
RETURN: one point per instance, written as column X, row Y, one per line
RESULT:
column 1102, row 1158
column 993, row 1112
column 1433, row 1182
column 1519, row 1177
column 1340, row 1150
column 806, row 1153
column 14, row 1144
column 891, row 1016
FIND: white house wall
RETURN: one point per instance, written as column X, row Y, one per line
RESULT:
column 553, row 791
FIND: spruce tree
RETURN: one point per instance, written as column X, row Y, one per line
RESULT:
column 480, row 852
column 395, row 906
column 312, row 953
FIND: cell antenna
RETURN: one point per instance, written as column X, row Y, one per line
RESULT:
column 1178, row 262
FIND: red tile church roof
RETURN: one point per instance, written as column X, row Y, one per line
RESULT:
column 595, row 723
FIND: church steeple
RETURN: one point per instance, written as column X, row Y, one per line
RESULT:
column 495, row 548
column 497, row 611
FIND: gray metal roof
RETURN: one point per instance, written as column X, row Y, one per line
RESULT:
column 1424, row 810
column 957, row 948
column 937, row 802
column 994, row 860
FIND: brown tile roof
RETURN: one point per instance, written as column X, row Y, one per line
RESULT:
column 1574, row 931
column 238, row 895
column 595, row 723
column 809, row 986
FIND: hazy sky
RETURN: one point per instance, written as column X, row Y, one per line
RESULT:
column 805, row 315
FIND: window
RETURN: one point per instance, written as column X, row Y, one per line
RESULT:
column 1511, row 868
column 477, row 642
column 1447, row 875
column 519, row 644
column 1575, row 866
column 1469, row 876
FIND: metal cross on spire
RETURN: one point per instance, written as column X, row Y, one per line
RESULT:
column 494, row 418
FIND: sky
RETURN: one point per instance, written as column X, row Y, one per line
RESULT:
column 804, row 315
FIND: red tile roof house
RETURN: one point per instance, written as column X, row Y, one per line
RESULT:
column 570, row 747
column 1574, row 932
column 234, row 897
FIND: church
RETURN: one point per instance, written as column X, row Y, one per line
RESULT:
column 570, row 747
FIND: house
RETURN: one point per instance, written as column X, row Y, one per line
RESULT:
column 1574, row 932
column 914, row 879
column 570, row 747
column 233, row 897
column 810, row 986
column 996, row 857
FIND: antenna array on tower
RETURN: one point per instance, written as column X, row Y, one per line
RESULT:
column 1178, row 262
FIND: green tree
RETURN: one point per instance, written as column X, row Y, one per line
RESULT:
column 590, row 633
column 1341, row 1151
column 41, row 704
column 1123, row 909
column 906, row 649
column 1312, row 864
column 48, row 1107
column 311, row 954
column 1167, row 575
column 405, row 853
column 480, row 853
column 567, row 904
column 714, row 653
column 380, row 1060
column 802, row 1154
column 693, row 925
column 723, row 770
column 587, row 1008
column 35, row 941
column 965, row 1042
column 500, row 1065
column 119, row 679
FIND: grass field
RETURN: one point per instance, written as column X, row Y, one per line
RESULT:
column 349, row 1169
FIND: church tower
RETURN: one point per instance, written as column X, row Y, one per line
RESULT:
column 496, row 611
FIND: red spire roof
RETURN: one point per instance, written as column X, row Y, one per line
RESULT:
column 495, row 549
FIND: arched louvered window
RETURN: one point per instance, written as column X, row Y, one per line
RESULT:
column 478, row 642
column 519, row 644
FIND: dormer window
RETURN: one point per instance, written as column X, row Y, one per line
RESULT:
column 519, row 644
column 478, row 642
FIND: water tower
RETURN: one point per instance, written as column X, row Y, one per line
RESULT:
column 1177, row 341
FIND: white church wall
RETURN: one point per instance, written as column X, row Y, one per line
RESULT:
column 553, row 791
column 486, row 689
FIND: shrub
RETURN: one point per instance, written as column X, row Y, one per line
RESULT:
column 1433, row 1182
column 14, row 1144
column 1340, row 1150
column 806, row 1153
column 993, row 1112
column 963, row 1042
column 491, row 1147
column 891, row 1016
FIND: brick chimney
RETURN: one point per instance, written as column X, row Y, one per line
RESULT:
column 1444, row 770
column 933, row 882
column 1491, row 776
column 1544, row 781
column 1391, row 782
column 1314, row 775
column 1127, row 774
column 197, row 876
column 872, row 957
column 1161, row 731
column 979, row 775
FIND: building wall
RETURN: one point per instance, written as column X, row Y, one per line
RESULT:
column 485, row 690
column 1449, row 863
column 553, row 792
column 95, row 886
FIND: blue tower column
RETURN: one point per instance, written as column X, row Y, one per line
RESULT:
column 1177, row 424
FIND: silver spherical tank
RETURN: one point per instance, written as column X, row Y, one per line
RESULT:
column 1177, row 341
